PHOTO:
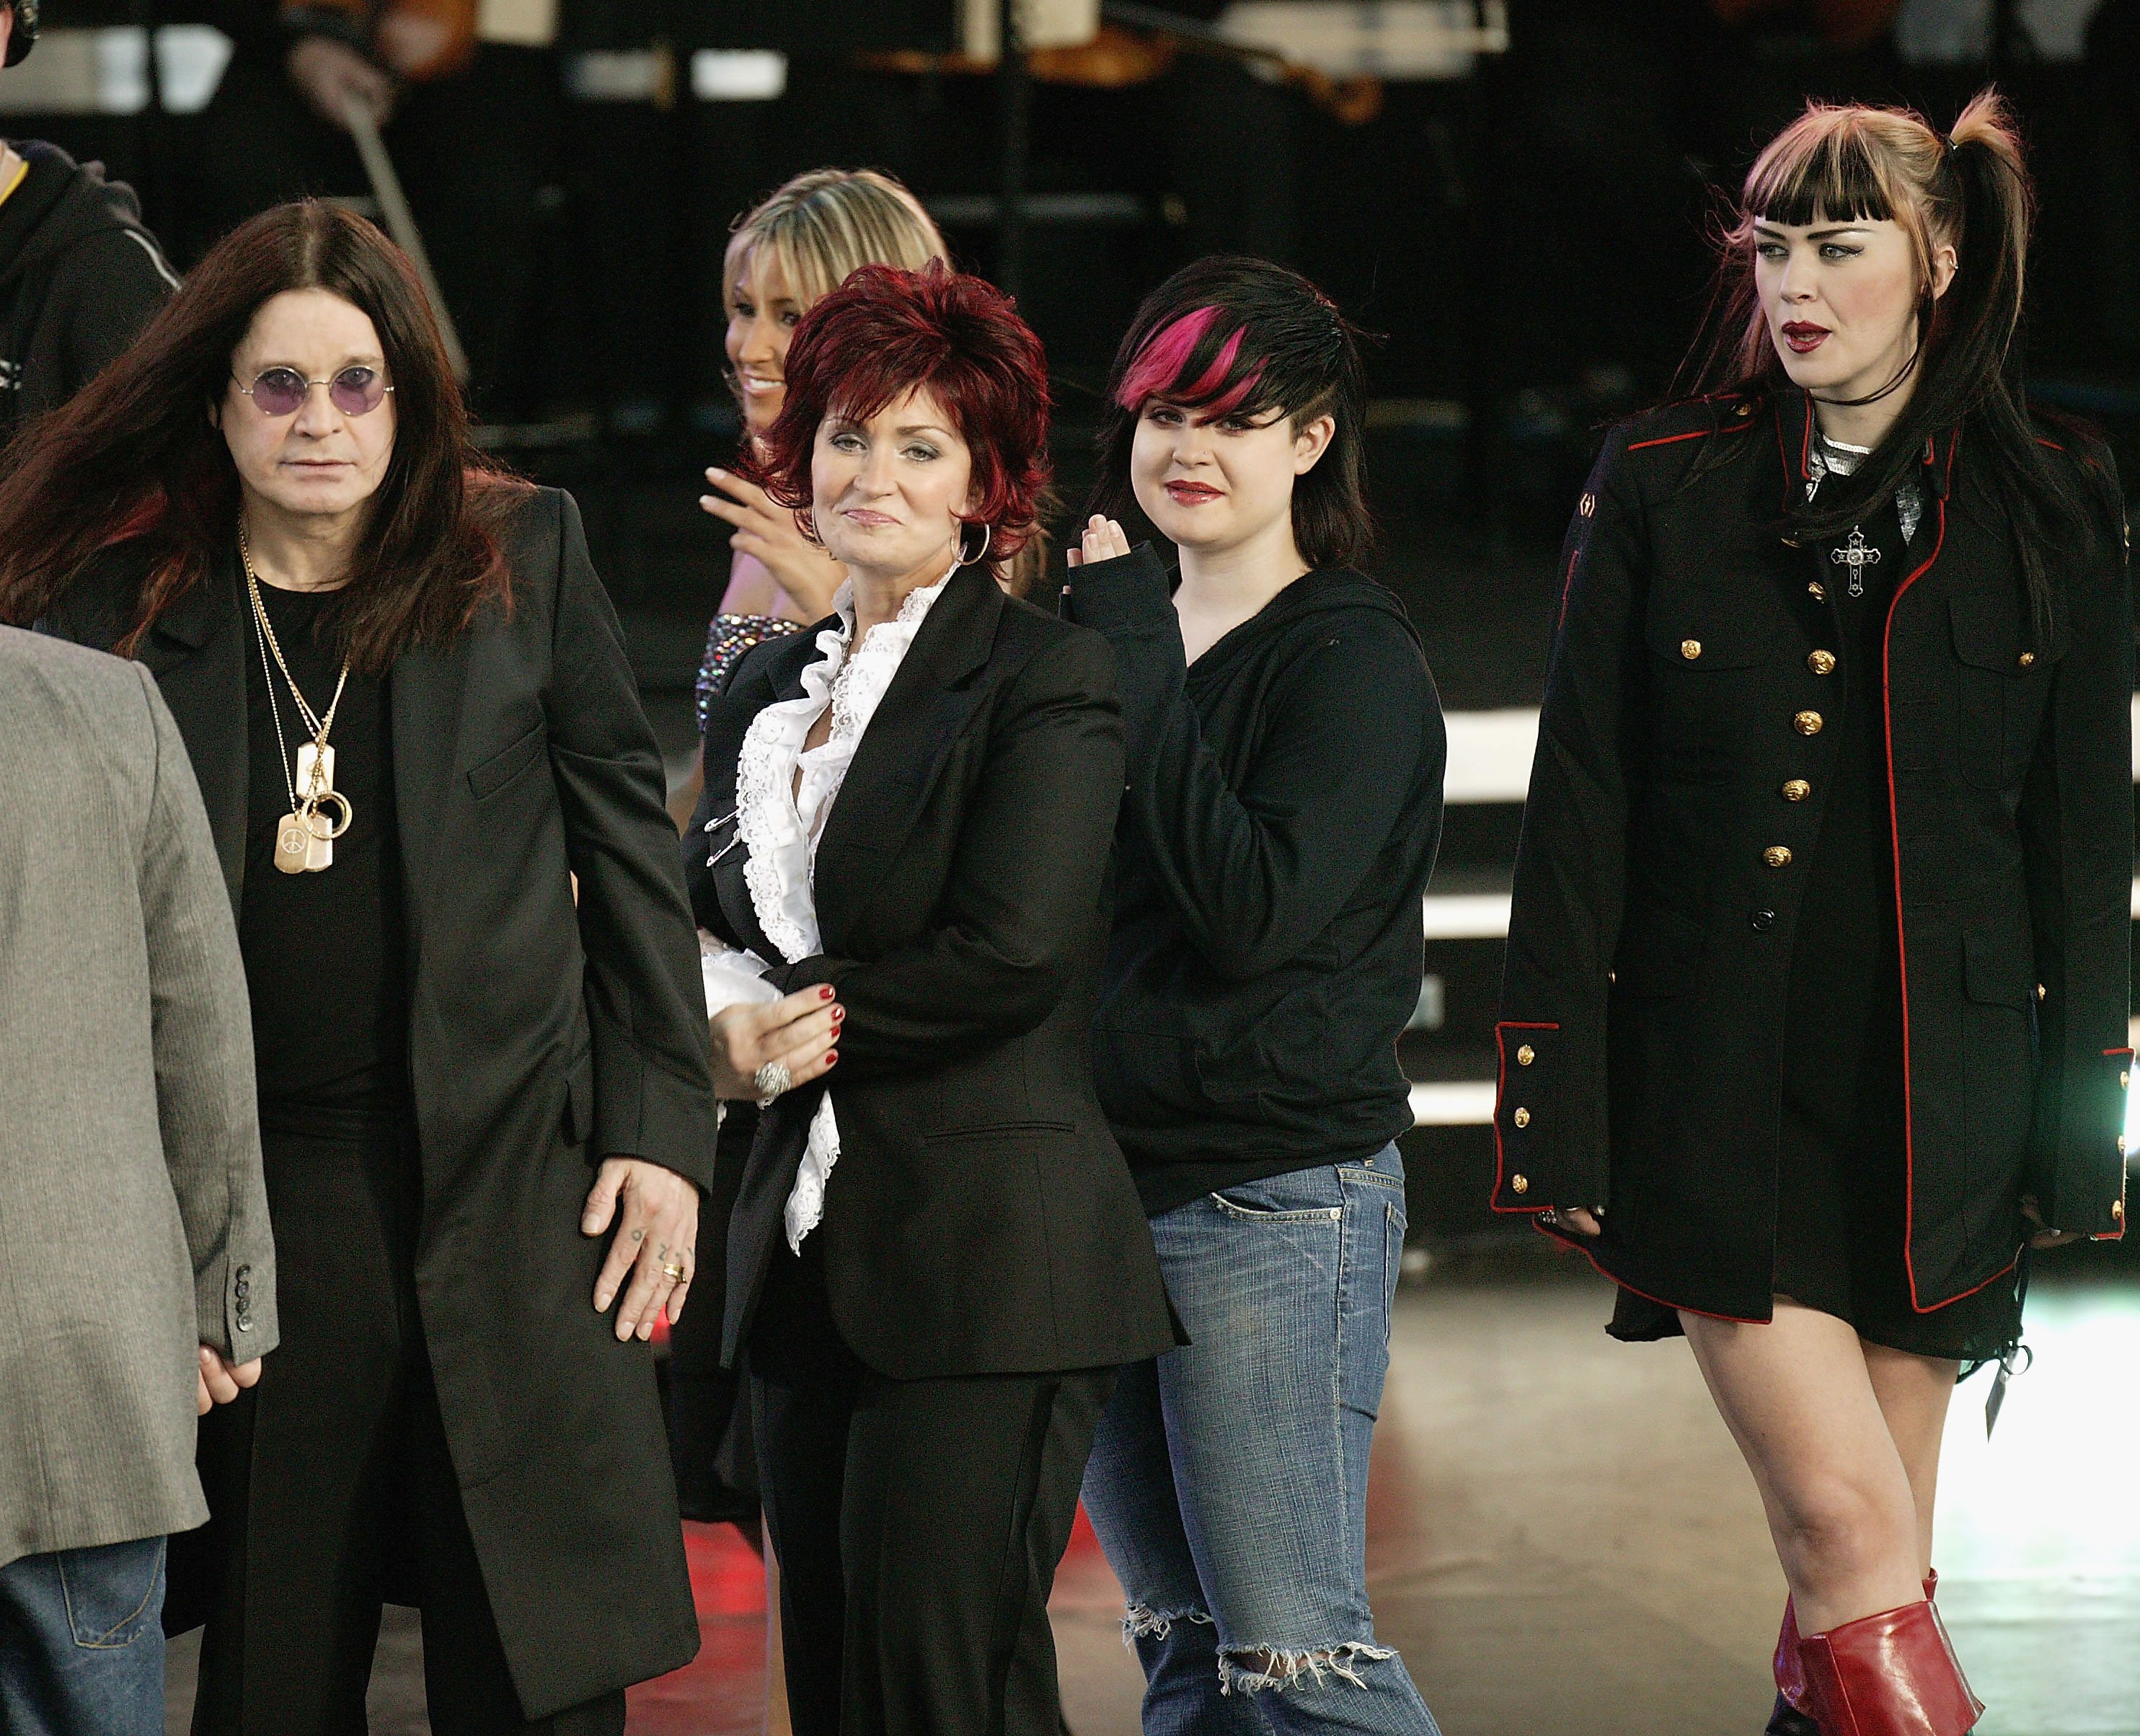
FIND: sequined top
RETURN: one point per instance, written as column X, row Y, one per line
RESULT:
column 727, row 641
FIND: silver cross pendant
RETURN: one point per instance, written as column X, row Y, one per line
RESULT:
column 1856, row 556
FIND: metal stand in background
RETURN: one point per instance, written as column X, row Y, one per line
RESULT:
column 1015, row 89
column 151, row 182
column 394, row 207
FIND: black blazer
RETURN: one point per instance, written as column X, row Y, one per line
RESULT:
column 544, row 1038
column 1651, row 940
column 982, row 1218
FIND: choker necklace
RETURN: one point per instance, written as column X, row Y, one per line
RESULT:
column 304, row 839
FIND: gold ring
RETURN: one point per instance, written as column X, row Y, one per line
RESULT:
column 673, row 1272
column 312, row 813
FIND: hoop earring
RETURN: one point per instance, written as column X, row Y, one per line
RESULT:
column 988, row 536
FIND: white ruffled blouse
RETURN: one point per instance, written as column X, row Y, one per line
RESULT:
column 781, row 816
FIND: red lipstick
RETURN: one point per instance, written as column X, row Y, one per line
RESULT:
column 1804, row 336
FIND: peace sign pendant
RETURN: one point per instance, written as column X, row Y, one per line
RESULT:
column 304, row 840
column 293, row 841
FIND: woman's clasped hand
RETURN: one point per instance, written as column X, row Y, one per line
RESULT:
column 800, row 1033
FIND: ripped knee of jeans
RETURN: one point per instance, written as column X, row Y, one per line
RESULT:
column 1144, row 1622
column 1252, row 1668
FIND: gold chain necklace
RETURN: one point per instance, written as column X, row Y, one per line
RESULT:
column 304, row 840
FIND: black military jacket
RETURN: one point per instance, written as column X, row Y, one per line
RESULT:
column 1656, row 913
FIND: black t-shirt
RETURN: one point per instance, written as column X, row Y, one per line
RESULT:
column 326, row 954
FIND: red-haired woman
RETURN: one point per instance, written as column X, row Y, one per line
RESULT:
column 1815, row 1012
column 408, row 708
column 935, row 1259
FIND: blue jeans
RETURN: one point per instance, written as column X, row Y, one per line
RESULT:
column 1229, row 1481
column 81, row 1641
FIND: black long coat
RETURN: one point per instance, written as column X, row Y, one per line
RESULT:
column 544, row 1038
column 981, row 1219
column 1683, row 749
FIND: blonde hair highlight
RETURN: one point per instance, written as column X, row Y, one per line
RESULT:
column 825, row 224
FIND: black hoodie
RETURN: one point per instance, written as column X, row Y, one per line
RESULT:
column 79, row 278
column 1281, row 818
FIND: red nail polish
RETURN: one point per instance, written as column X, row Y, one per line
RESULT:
column 825, row 993
column 832, row 1060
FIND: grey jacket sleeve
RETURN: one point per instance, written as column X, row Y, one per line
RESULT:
column 203, row 1033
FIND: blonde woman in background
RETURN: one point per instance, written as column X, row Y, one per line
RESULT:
column 796, row 246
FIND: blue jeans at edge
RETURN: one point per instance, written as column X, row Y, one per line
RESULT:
column 1229, row 1481
column 81, row 1641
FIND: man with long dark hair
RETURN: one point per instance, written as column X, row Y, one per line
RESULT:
column 485, row 1102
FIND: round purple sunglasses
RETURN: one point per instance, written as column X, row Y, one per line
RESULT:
column 281, row 391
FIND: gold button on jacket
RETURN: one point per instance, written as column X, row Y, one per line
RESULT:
column 1777, row 855
column 1522, row 1118
column 1807, row 723
column 1797, row 790
column 1690, row 648
column 1526, row 1055
column 1822, row 663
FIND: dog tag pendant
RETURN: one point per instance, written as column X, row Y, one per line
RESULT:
column 311, row 754
column 319, row 852
column 293, row 841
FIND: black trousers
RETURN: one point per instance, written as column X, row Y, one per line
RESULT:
column 919, row 1524
column 331, row 1486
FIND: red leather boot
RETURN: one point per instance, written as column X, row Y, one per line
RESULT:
column 1790, row 1717
column 1889, row 1675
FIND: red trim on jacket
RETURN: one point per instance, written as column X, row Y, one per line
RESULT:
column 1500, row 1090
column 1901, row 940
column 1670, row 439
column 1568, row 585
column 1804, row 470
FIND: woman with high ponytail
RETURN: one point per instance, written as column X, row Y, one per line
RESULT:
column 1814, row 1018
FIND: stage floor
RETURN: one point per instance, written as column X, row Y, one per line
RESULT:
column 1564, row 1541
